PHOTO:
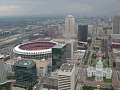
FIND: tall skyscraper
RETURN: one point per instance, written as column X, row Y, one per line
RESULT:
column 116, row 24
column 71, row 46
column 69, row 27
column 82, row 33
column 2, row 70
column 58, row 55
column 66, row 77
column 25, row 73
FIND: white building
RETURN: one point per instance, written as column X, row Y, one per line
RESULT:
column 90, row 30
column 69, row 27
column 66, row 77
column 71, row 46
column 99, row 72
column 116, row 24
column 2, row 71
column 100, row 31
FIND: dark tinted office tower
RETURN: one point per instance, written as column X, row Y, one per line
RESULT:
column 82, row 33
column 58, row 55
column 25, row 73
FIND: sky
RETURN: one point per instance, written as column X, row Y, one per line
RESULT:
column 59, row 7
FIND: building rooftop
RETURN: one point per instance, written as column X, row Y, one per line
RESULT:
column 42, row 63
column 99, row 63
column 11, row 62
column 90, row 68
column 115, row 50
column 59, row 46
column 108, row 70
column 70, row 16
column 39, row 63
column 1, row 56
column 98, row 72
column 115, row 36
column 66, row 67
column 24, row 62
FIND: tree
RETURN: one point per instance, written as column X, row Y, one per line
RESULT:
column 94, row 56
column 7, row 86
column 114, row 64
column 104, row 57
column 0, row 87
column 112, row 88
column 89, row 41
column 30, row 88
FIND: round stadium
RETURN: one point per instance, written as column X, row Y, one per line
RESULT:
column 35, row 50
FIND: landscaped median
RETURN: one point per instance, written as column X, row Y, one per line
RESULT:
column 87, row 57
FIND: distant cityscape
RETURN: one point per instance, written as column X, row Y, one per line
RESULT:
column 60, row 53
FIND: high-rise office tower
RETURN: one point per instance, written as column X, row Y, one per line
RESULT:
column 25, row 73
column 66, row 77
column 82, row 33
column 116, row 24
column 2, row 70
column 71, row 46
column 58, row 55
column 69, row 27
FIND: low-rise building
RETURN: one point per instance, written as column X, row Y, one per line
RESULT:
column 99, row 72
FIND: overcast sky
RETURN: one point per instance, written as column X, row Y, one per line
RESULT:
column 46, row 7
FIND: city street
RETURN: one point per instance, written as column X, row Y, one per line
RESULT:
column 38, row 86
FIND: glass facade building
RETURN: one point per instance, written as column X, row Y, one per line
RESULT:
column 58, row 55
column 25, row 73
column 82, row 33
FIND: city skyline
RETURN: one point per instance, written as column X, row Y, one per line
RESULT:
column 47, row 7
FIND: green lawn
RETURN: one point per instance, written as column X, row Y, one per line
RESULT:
column 90, row 78
column 85, row 87
column 106, row 64
column 104, row 89
column 93, row 62
column 107, row 80
column 88, row 87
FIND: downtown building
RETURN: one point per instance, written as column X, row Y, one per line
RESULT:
column 3, row 75
column 58, row 55
column 66, row 77
column 82, row 33
column 116, row 24
column 69, row 27
column 71, row 47
column 25, row 73
column 99, row 72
